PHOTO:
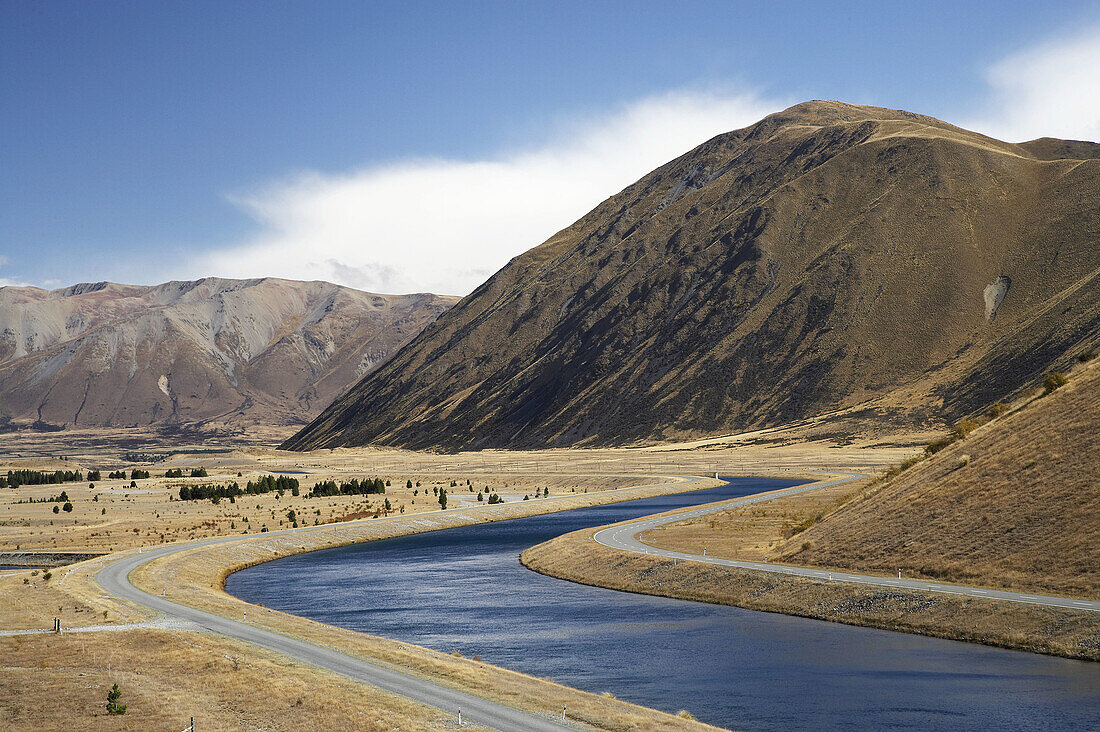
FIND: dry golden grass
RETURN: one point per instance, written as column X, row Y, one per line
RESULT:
column 576, row 557
column 750, row 532
column 114, row 517
column 1016, row 504
column 60, row 682
column 196, row 576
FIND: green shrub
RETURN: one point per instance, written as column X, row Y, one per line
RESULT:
column 1086, row 356
column 1053, row 381
column 964, row 427
column 113, row 705
column 997, row 410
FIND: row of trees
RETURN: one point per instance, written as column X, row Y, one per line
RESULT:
column 265, row 484
column 353, row 487
column 135, row 474
column 178, row 473
column 268, row 483
column 16, row 478
column 204, row 492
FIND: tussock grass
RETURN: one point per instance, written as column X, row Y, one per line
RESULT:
column 1016, row 505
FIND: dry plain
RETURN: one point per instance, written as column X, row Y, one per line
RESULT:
column 156, row 656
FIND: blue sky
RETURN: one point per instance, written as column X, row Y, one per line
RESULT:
column 418, row 146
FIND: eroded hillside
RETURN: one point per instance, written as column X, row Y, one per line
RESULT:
column 212, row 351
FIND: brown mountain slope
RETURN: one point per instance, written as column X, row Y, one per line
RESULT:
column 828, row 256
column 212, row 351
column 1023, row 513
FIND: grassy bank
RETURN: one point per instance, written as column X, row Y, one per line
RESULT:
column 1054, row 631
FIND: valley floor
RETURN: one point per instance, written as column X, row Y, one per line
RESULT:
column 169, row 674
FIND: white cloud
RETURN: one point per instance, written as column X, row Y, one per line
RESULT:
column 1051, row 89
column 446, row 225
column 6, row 282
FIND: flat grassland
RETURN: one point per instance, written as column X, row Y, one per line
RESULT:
column 147, row 661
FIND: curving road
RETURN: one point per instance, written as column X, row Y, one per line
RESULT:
column 115, row 579
column 625, row 537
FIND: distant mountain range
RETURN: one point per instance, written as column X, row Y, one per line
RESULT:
column 829, row 257
column 208, row 352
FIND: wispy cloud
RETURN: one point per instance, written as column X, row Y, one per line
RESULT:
column 1051, row 89
column 446, row 225
column 6, row 282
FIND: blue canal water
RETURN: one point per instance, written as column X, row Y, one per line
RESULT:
column 464, row 589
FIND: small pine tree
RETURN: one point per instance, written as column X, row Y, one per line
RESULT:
column 443, row 499
column 113, row 705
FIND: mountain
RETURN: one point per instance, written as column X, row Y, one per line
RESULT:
column 213, row 351
column 829, row 257
column 1014, row 504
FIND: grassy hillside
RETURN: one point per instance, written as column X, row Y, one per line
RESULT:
column 1015, row 504
column 829, row 257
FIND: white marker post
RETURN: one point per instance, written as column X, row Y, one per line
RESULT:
column 563, row 712
column 459, row 717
